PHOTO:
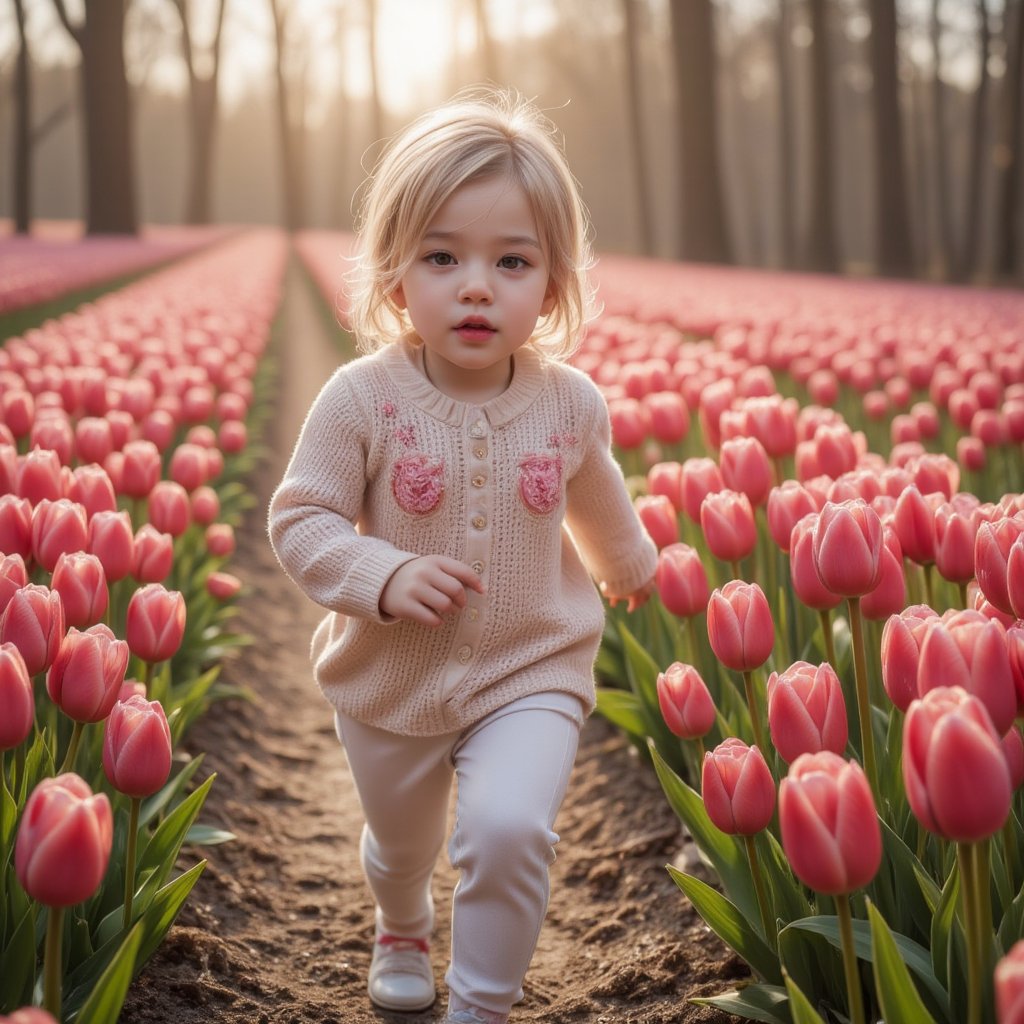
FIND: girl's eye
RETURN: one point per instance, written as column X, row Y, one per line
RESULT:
column 440, row 259
column 512, row 263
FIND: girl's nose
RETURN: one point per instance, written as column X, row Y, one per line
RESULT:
column 475, row 288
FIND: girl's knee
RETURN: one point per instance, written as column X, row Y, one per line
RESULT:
column 499, row 836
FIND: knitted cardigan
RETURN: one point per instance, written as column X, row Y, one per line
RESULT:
column 387, row 468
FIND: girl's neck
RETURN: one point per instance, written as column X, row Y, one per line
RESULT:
column 474, row 387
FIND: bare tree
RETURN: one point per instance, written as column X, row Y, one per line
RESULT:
column 940, row 149
column 290, row 106
column 202, row 102
column 485, row 41
column 107, row 127
column 787, row 172
column 968, row 257
column 704, row 234
column 635, row 123
column 1008, row 152
column 22, row 152
column 376, row 108
column 892, row 223
column 819, row 243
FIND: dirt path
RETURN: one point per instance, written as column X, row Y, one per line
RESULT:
column 279, row 927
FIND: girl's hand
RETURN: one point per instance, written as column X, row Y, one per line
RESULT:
column 635, row 600
column 427, row 589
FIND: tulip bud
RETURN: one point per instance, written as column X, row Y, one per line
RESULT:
column 155, row 622
column 829, row 825
column 890, row 596
column 205, row 505
column 112, row 542
column 1015, row 651
column 902, row 637
column 715, row 398
column 13, row 576
column 802, row 572
column 39, row 476
column 169, row 508
column 667, row 413
column 1009, row 985
column 29, row 1015
column 17, row 410
column 655, row 511
column 806, row 711
column 681, row 581
column 836, row 449
column 914, row 522
column 141, row 468
column 700, row 477
column 745, row 467
column 629, row 423
column 738, row 789
column 740, row 626
column 92, row 488
column 94, row 440
column 954, row 770
column 15, row 525
column 87, row 673
column 1015, row 577
column 727, row 519
column 222, row 585
column 847, row 548
column 685, row 702
column 1013, row 750
column 17, row 701
column 787, row 505
column 772, row 420
column 955, row 533
column 57, row 527
column 34, row 622
column 153, row 555
column 935, row 472
column 137, row 747
column 79, row 579
column 64, row 841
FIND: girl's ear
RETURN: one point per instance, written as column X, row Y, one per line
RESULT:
column 398, row 297
column 550, row 298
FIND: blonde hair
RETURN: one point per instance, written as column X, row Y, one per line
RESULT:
column 478, row 135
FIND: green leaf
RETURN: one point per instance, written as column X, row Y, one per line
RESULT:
column 732, row 927
column 896, row 991
column 766, row 1003
column 800, row 1006
column 207, row 835
column 162, row 850
column 942, row 927
column 104, row 1004
column 155, row 804
column 622, row 709
column 19, row 959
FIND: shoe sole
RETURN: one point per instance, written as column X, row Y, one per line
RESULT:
column 394, row 1008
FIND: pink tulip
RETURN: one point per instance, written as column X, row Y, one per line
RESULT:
column 656, row 512
column 205, row 505
column 55, row 434
column 902, row 637
column 772, row 420
column 955, row 533
column 112, row 542
column 829, row 825
column 745, row 467
column 169, row 508
column 681, row 581
column 87, row 673
column 17, row 701
column 155, row 623
column 836, row 449
column 141, row 468
column 1015, row 651
column 153, row 555
column 685, row 702
column 137, row 747
column 964, row 648
column 93, row 489
column 740, row 626
column 890, row 596
column 914, row 522
column 738, row 789
column 667, row 413
column 13, row 576
column 847, row 548
column 1009, row 986
column 715, row 398
column 94, row 440
column 1015, row 577
column 222, row 585
column 15, row 525
column 970, row 453
column 802, row 571
column 806, row 711
column 17, row 410
column 57, row 527
column 1013, row 750
column 28, row 1015
column 628, row 419
column 64, row 841
column 700, row 477
column 787, row 505
column 935, row 472
column 727, row 519
column 34, row 622
column 954, row 771
column 39, row 476
column 79, row 579
column 823, row 387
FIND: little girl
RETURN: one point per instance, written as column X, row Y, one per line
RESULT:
column 445, row 500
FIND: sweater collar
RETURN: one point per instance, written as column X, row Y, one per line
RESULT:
column 404, row 362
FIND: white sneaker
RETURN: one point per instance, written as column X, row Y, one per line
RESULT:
column 464, row 1017
column 401, row 977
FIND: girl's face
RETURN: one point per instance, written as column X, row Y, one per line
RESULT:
column 477, row 285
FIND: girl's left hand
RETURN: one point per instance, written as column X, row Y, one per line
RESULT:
column 635, row 600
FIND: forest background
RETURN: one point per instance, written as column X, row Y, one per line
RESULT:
column 859, row 136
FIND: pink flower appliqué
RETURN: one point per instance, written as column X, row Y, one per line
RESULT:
column 540, row 482
column 418, row 483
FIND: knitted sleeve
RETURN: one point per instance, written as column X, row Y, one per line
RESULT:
column 314, row 511
column 616, row 548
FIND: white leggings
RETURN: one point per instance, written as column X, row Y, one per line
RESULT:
column 512, row 768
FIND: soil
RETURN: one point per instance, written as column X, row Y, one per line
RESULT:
column 279, row 927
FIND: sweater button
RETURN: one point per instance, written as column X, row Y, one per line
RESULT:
column 480, row 452
column 479, row 522
column 478, row 429
column 465, row 653
column 479, row 480
column 477, row 567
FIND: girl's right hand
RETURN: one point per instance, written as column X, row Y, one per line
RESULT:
column 427, row 589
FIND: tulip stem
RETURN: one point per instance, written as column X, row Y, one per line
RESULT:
column 755, row 715
column 19, row 771
column 983, row 902
column 691, row 636
column 767, row 921
column 825, row 618
column 52, row 961
column 69, row 757
column 1009, row 853
column 962, row 588
column 972, row 930
column 867, row 740
column 929, row 584
column 853, row 990
column 129, row 862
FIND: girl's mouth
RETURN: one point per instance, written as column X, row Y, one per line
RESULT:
column 475, row 329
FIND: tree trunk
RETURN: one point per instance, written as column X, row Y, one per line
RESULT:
column 485, row 42
column 892, row 224
column 787, row 173
column 819, row 245
column 294, row 213
column 969, row 254
column 1009, row 153
column 107, row 124
column 703, row 229
column 22, row 129
column 375, row 105
column 635, row 126
column 940, row 150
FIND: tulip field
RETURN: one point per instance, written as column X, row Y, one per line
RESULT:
column 825, row 689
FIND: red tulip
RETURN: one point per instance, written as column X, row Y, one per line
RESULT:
column 15, row 525
column 39, row 476
column 802, row 572
column 772, row 420
column 155, row 623
column 13, row 576
column 222, row 585
column 153, row 555
column 628, row 420
column 92, row 488
column 79, row 579
column 137, row 747
column 745, row 467
column 1009, row 985
column 787, row 505
column 954, row 771
column 727, row 519
column 57, row 527
column 205, row 505
column 169, row 508
column 87, row 673
column 112, row 542
column 737, row 787
column 955, row 531
column 700, row 477
column 17, row 701
column 935, row 472
column 64, row 841
column 17, row 410
column 34, row 622
column 740, row 626
column 914, row 522
column 829, row 825
column 54, row 433
column 656, row 512
column 806, row 711
column 685, row 702
column 902, row 637
column 141, row 468
column 158, row 427
column 667, row 413
column 836, row 449
column 890, row 596
column 94, row 440
column 681, row 581
column 847, row 544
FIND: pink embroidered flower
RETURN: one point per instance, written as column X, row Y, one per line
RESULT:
column 540, row 481
column 418, row 483
column 560, row 440
column 388, row 408
column 406, row 435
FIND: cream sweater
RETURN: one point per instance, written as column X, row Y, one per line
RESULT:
column 387, row 468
